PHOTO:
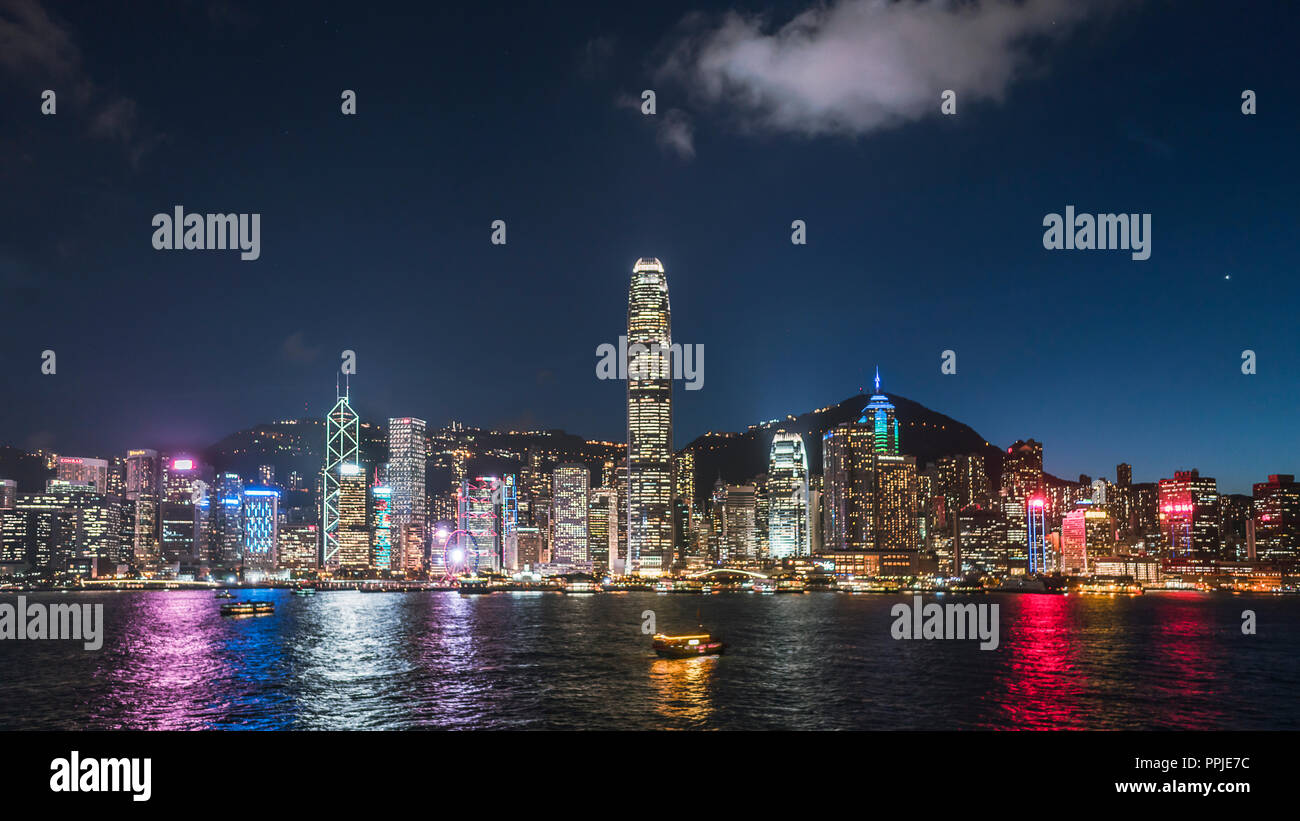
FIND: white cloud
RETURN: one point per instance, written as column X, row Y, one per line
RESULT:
column 850, row 67
column 676, row 133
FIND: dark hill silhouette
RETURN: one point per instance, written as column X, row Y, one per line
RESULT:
column 924, row 433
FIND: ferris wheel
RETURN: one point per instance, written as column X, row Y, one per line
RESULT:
column 460, row 553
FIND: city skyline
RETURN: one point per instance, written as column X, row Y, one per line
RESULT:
column 1144, row 474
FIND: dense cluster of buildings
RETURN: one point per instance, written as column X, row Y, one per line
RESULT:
column 634, row 508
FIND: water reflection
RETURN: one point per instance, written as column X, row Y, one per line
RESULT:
column 1186, row 684
column 159, row 674
column 350, row 660
column 684, row 688
column 1039, row 687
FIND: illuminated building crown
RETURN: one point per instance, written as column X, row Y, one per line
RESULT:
column 880, row 415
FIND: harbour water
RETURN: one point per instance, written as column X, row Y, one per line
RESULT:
column 441, row 660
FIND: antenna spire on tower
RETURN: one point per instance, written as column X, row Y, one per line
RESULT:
column 877, row 379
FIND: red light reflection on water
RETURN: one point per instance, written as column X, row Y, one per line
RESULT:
column 1186, row 686
column 1041, row 684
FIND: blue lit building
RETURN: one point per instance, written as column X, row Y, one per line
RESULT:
column 261, row 512
column 381, row 531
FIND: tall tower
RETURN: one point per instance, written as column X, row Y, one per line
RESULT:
column 342, row 448
column 880, row 416
column 1022, row 469
column 649, row 421
column 570, row 511
column 871, row 489
column 261, row 509
column 353, row 534
column 407, row 507
column 787, row 484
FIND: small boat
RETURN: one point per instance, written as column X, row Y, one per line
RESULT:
column 473, row 584
column 248, row 608
column 1109, row 587
column 693, row 645
column 1023, row 584
column 224, row 594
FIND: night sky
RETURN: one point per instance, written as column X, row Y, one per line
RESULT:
column 924, row 231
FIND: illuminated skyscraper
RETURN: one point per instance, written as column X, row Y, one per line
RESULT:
column 382, row 550
column 1074, row 543
column 684, row 478
column 224, row 532
column 261, row 515
column 895, row 506
column 141, row 472
column 299, row 546
column 146, row 552
column 406, row 469
column 342, row 448
column 738, row 539
column 787, row 488
column 479, row 512
column 1277, row 518
column 599, row 509
column 570, row 484
column 1123, row 474
column 81, row 470
column 649, row 421
column 762, row 511
column 182, row 523
column 180, row 477
column 352, row 532
column 870, row 500
column 65, row 528
column 1087, row 534
column 880, row 418
column 618, row 562
column 962, row 481
column 847, row 497
column 1022, row 470
column 1036, row 547
column 1189, row 515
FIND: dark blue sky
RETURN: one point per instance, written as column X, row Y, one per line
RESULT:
column 925, row 232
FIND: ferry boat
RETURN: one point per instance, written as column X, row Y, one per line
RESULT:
column 473, row 584
column 790, row 585
column 304, row 591
column 578, row 586
column 693, row 645
column 248, row 608
column 1109, row 587
column 866, row 585
column 1024, row 584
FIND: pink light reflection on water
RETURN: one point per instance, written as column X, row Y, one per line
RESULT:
column 163, row 662
column 1040, row 686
